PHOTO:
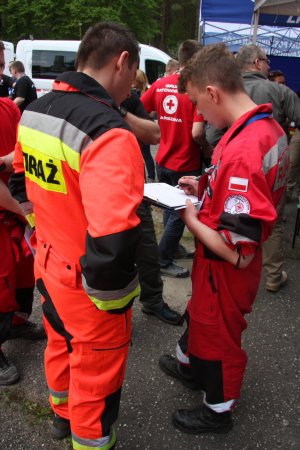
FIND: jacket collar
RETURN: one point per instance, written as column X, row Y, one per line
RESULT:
column 80, row 82
column 238, row 124
column 254, row 74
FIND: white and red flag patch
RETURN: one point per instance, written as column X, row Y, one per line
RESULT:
column 238, row 184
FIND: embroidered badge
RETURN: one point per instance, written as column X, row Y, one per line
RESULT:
column 170, row 104
column 238, row 184
column 237, row 204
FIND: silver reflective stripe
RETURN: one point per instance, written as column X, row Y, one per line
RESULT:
column 271, row 158
column 181, row 356
column 74, row 138
column 109, row 295
column 60, row 394
column 105, row 442
column 235, row 237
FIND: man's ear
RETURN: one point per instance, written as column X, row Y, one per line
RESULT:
column 213, row 93
column 257, row 64
column 122, row 60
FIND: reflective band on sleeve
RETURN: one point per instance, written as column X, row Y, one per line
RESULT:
column 273, row 155
column 104, row 443
column 107, row 305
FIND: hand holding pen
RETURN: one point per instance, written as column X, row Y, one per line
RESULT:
column 189, row 184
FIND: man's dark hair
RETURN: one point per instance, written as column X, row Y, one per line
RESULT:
column 275, row 73
column 186, row 50
column 2, row 46
column 102, row 42
column 213, row 64
column 18, row 66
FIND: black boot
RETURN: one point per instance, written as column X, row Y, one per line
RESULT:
column 164, row 313
column 172, row 367
column 60, row 427
column 202, row 420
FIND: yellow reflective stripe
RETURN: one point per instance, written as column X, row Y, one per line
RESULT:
column 107, row 446
column 49, row 145
column 31, row 219
column 107, row 305
column 59, row 401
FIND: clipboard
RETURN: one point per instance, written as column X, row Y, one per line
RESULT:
column 165, row 196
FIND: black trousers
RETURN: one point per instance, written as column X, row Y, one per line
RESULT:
column 5, row 325
column 148, row 259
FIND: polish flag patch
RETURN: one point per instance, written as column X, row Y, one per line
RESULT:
column 238, row 184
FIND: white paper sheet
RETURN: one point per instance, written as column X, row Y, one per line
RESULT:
column 167, row 195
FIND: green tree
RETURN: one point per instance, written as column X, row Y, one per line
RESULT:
column 163, row 23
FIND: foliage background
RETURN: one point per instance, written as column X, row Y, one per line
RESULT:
column 162, row 23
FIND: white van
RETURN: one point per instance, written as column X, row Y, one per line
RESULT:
column 45, row 60
column 8, row 55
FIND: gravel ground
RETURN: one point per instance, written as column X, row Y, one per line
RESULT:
column 267, row 416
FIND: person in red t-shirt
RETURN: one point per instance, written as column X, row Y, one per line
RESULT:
column 179, row 152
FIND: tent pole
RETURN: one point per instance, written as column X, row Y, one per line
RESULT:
column 255, row 26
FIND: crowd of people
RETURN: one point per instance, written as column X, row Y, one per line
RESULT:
column 222, row 130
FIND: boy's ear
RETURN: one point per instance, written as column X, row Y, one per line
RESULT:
column 213, row 93
column 122, row 60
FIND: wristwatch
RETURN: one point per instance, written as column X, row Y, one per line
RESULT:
column 122, row 110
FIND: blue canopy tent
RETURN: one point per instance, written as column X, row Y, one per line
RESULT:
column 272, row 24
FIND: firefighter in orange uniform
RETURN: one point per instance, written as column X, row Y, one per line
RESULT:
column 84, row 175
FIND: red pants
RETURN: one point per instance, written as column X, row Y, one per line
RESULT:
column 86, row 353
column 16, row 269
column 221, row 296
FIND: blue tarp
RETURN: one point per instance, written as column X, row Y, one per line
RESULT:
column 291, row 69
column 241, row 11
column 228, row 11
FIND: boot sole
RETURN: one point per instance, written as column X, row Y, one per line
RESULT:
column 10, row 381
column 203, row 430
column 184, row 275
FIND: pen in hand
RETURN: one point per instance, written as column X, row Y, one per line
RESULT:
column 184, row 184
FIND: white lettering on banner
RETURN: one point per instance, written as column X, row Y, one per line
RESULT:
column 292, row 20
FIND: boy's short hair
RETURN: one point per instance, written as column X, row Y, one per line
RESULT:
column 186, row 50
column 213, row 64
column 18, row 66
column 172, row 65
column 102, row 42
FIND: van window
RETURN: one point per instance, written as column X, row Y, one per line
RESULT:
column 154, row 69
column 47, row 64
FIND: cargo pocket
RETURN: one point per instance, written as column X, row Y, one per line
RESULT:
column 101, row 369
column 52, row 316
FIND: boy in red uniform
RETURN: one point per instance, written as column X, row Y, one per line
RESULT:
column 244, row 185
column 16, row 260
